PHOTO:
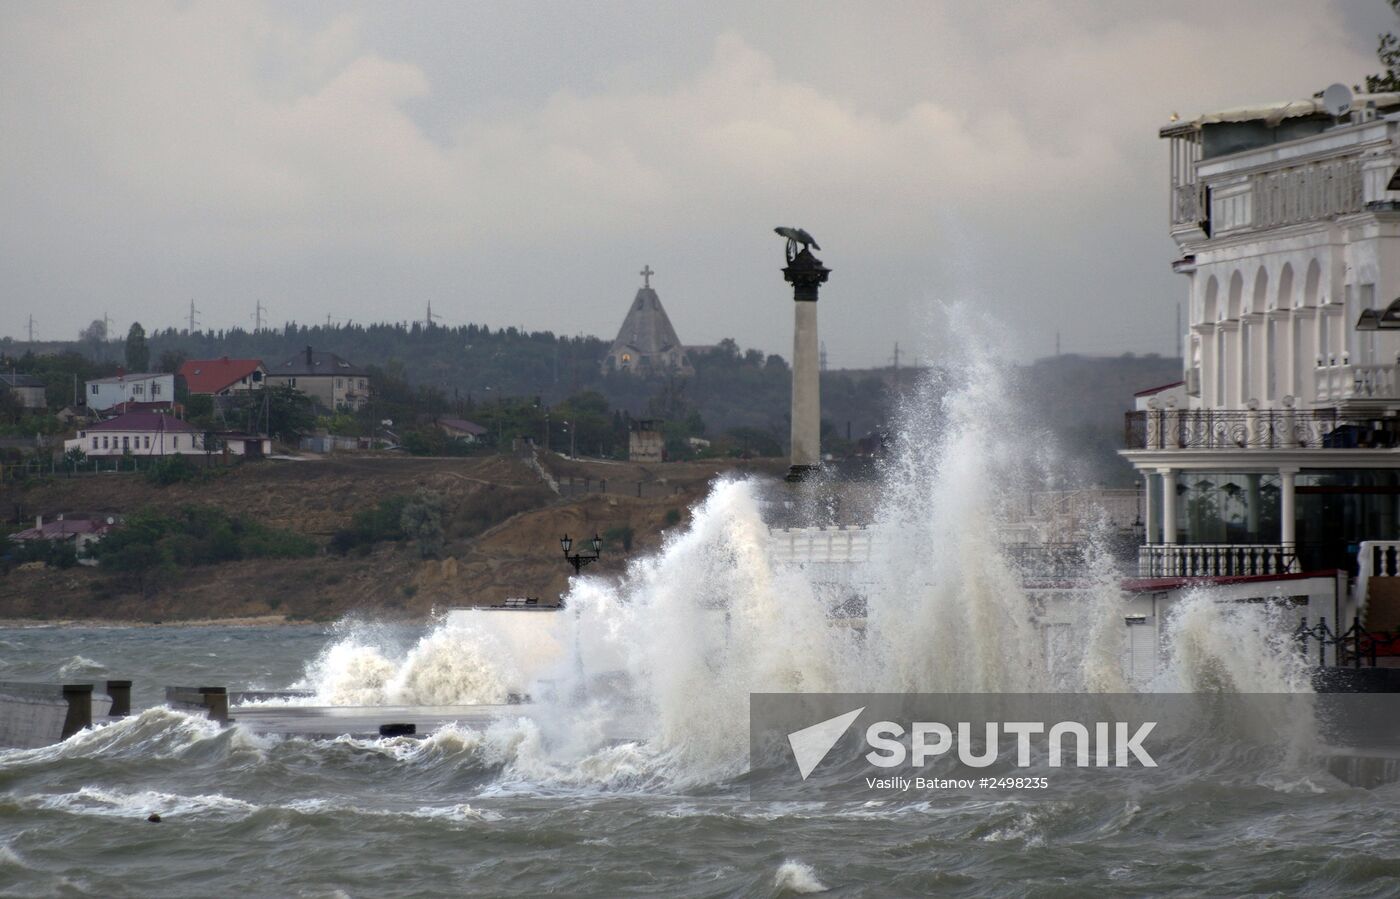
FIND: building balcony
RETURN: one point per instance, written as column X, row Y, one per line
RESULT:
column 1348, row 383
column 1216, row 560
column 1236, row 429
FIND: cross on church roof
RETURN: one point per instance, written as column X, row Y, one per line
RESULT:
column 646, row 274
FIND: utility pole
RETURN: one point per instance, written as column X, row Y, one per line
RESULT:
column 193, row 312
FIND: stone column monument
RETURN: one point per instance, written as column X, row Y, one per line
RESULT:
column 806, row 274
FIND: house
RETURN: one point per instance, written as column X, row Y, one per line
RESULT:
column 141, row 434
column 325, row 377
column 249, row 446
column 461, row 429
column 646, row 442
column 82, row 530
column 222, row 377
column 140, row 387
column 28, row 389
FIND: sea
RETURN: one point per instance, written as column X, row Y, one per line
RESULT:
column 627, row 772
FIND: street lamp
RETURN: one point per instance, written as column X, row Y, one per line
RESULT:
column 578, row 560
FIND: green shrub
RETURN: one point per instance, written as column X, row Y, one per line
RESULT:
column 150, row 541
column 172, row 470
column 382, row 523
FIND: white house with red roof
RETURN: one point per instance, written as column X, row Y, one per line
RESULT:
column 139, row 433
column 83, row 530
column 223, row 377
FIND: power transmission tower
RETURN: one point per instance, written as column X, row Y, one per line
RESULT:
column 257, row 316
column 31, row 328
column 896, row 356
column 193, row 312
column 430, row 313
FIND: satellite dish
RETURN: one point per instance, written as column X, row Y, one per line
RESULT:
column 111, row 520
column 1337, row 100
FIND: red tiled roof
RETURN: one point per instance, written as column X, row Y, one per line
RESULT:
column 1151, row 390
column 213, row 375
column 61, row 529
column 144, row 421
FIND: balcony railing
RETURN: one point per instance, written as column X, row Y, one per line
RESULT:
column 1188, row 204
column 1169, row 429
column 1338, row 383
column 1216, row 560
column 1306, row 193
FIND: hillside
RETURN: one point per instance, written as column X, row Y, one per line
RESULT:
column 502, row 527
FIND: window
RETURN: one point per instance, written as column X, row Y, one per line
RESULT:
column 138, row 389
column 126, row 442
column 155, row 389
column 93, row 388
column 94, row 441
column 175, row 442
column 104, row 441
column 148, row 441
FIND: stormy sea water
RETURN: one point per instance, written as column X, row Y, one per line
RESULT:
column 626, row 774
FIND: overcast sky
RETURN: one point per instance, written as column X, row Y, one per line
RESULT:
column 518, row 163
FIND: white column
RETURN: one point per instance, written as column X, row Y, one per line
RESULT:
column 1149, row 509
column 806, row 388
column 1287, row 512
column 1168, row 505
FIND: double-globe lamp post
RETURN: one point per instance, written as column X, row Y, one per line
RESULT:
column 578, row 560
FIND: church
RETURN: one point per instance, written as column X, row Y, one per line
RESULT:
column 647, row 343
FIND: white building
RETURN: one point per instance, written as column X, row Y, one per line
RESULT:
column 139, row 433
column 1277, row 453
column 142, row 387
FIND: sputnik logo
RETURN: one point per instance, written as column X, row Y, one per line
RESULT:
column 811, row 744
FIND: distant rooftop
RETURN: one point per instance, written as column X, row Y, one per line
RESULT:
column 315, row 362
column 130, row 376
column 144, row 421
column 213, row 375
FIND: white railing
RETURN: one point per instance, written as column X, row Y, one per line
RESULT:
column 1351, row 382
column 1306, row 193
column 1216, row 560
column 1374, row 558
column 1188, row 204
column 822, row 545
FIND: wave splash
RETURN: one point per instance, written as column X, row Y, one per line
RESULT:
column 678, row 644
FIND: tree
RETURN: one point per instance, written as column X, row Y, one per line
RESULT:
column 171, row 360
column 95, row 335
column 289, row 413
column 422, row 521
column 138, row 354
column 1388, row 52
